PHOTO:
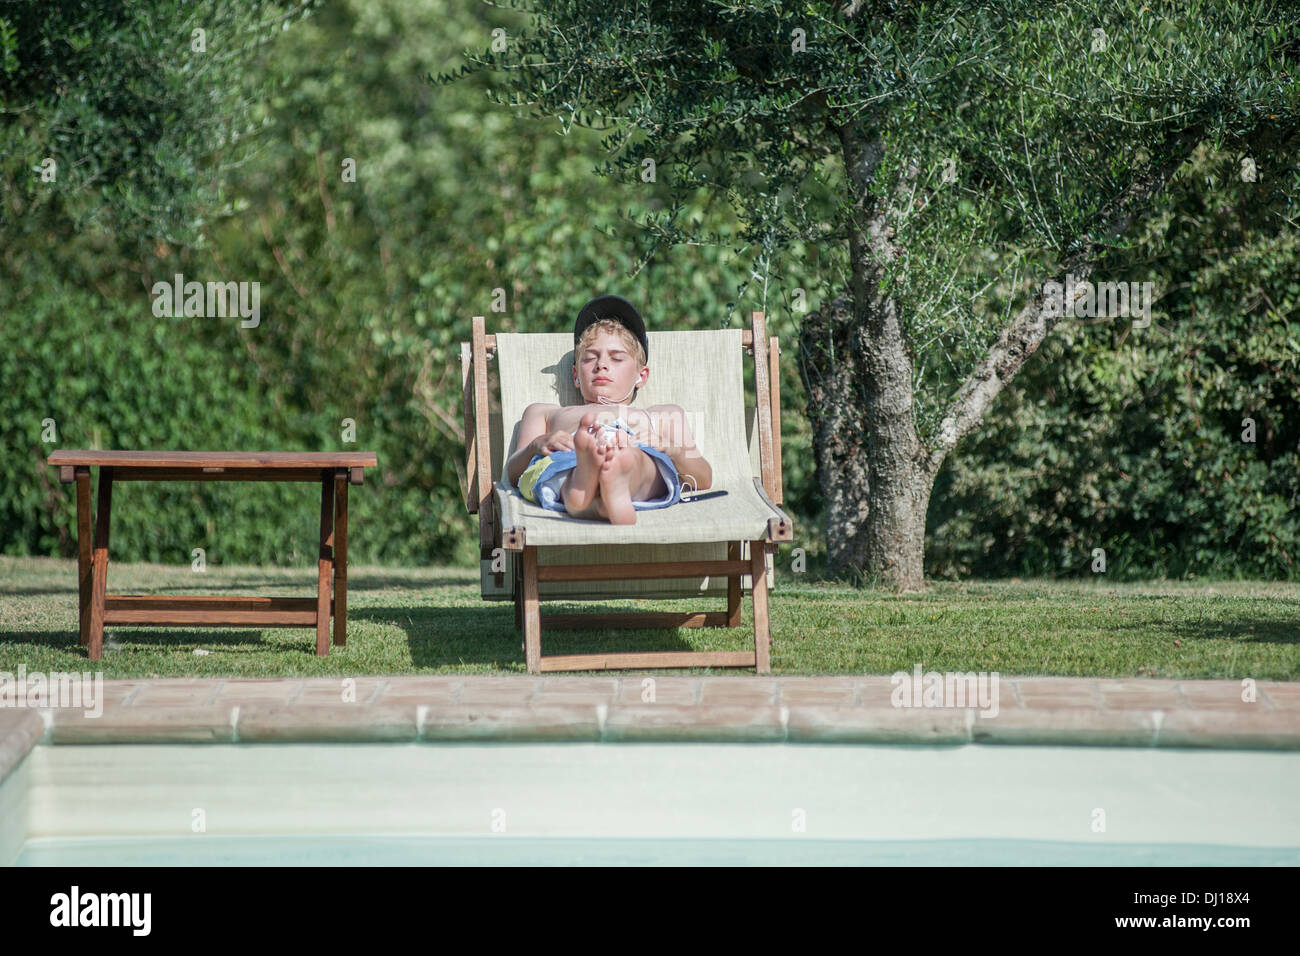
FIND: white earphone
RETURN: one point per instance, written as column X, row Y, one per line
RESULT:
column 689, row 485
column 602, row 400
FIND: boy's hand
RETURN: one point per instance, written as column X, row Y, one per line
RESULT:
column 555, row 441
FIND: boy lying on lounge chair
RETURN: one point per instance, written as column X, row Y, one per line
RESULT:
column 605, row 459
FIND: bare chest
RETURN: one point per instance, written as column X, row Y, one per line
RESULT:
column 639, row 420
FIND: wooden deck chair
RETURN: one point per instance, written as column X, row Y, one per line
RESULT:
column 716, row 546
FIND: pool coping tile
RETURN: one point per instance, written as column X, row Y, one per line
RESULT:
column 1032, row 710
column 1280, row 696
column 574, row 722
column 20, row 730
column 207, row 723
column 1067, row 727
column 1260, row 730
column 879, row 725
column 277, row 723
column 325, row 690
column 647, row 689
column 727, row 723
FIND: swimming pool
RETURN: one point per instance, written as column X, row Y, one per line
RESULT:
column 647, row 803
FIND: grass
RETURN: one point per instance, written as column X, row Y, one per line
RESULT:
column 432, row 621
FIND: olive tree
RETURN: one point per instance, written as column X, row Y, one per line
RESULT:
column 965, row 170
column 121, row 118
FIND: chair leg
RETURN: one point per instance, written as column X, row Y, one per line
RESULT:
column 532, row 613
column 733, row 587
column 517, row 590
column 762, row 626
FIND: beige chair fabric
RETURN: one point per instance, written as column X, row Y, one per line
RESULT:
column 701, row 371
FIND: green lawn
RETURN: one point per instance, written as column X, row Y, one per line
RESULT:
column 431, row 620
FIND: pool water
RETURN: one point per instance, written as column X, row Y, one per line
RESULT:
column 419, row 850
column 648, row 804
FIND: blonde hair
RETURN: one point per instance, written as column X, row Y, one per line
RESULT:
column 614, row 327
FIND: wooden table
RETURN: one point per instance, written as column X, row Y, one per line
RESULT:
column 334, row 471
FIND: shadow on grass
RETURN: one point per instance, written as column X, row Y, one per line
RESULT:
column 32, row 592
column 1269, row 632
column 487, row 634
column 251, row 585
column 1246, row 629
column 484, row 633
column 436, row 637
column 155, row 638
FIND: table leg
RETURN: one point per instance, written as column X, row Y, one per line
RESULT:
column 341, row 558
column 84, row 561
column 99, row 578
column 325, row 566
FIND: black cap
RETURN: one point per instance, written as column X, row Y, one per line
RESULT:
column 612, row 307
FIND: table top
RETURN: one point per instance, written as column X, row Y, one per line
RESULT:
column 216, row 459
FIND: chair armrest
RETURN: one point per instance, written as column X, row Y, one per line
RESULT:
column 779, row 528
column 511, row 539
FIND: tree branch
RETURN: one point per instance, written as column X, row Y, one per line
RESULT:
column 1033, row 324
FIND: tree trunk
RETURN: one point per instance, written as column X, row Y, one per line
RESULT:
column 875, row 472
column 832, row 382
column 870, row 465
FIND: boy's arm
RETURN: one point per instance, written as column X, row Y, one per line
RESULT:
column 534, row 424
column 678, row 443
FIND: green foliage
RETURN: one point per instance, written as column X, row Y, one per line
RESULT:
column 1010, row 130
column 1043, row 122
column 1132, row 440
column 136, row 382
column 135, row 120
column 367, row 287
column 371, row 285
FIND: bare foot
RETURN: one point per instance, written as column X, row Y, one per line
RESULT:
column 584, row 481
column 616, row 485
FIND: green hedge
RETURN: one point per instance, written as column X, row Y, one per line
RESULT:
column 1131, row 440
column 1123, row 440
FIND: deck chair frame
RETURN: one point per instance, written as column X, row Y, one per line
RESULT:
column 482, row 498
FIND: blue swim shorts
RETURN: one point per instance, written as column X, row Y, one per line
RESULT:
column 543, row 479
